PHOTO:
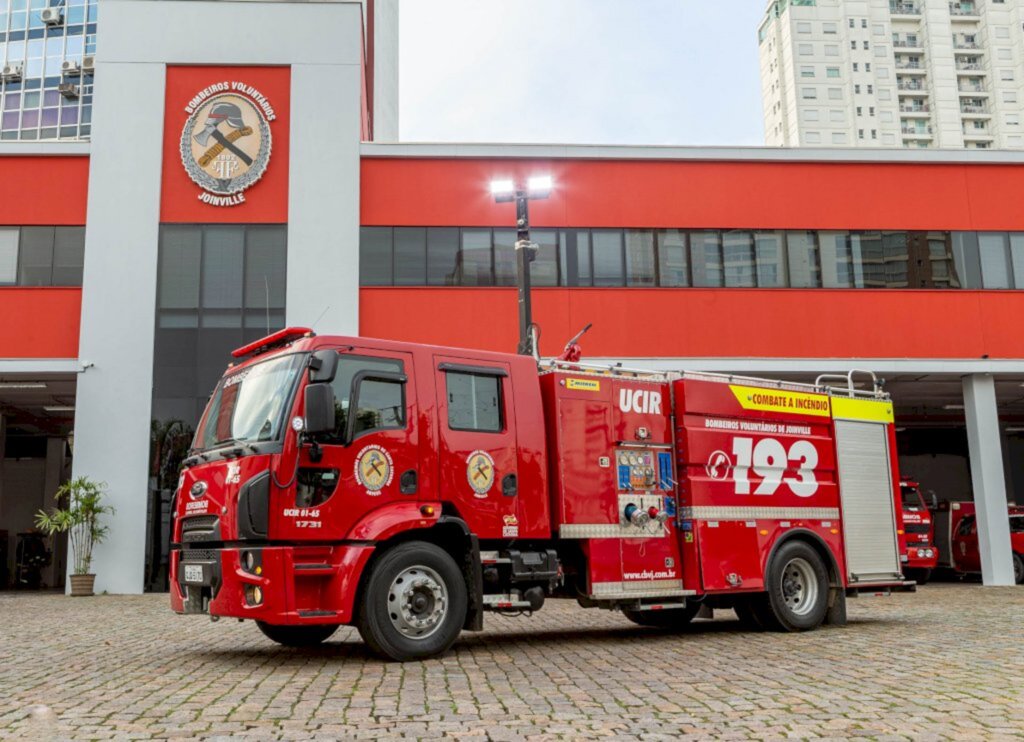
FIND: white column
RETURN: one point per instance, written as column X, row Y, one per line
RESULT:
column 323, row 199
column 988, row 479
column 112, row 405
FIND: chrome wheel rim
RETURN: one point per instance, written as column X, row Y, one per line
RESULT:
column 417, row 602
column 799, row 586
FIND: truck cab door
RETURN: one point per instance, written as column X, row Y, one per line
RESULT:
column 478, row 458
column 965, row 545
column 972, row 555
column 369, row 460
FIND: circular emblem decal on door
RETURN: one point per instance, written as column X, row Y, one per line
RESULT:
column 225, row 144
column 480, row 472
column 374, row 469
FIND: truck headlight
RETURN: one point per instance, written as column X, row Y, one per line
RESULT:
column 253, row 595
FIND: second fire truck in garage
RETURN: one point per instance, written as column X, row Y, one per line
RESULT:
column 408, row 489
column 920, row 554
column 957, row 528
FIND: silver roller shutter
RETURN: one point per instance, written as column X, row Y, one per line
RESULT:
column 865, row 486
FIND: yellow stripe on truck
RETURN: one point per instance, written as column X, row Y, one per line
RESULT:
column 777, row 400
column 872, row 410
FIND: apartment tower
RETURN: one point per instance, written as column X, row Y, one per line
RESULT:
column 893, row 73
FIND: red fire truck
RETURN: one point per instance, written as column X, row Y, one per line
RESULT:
column 958, row 520
column 408, row 489
column 919, row 553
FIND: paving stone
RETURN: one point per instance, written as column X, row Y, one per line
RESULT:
column 943, row 663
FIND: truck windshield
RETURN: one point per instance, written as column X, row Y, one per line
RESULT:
column 911, row 497
column 248, row 405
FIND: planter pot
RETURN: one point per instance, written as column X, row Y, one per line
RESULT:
column 81, row 585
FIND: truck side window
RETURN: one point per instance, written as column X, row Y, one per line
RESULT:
column 474, row 402
column 381, row 404
column 966, row 525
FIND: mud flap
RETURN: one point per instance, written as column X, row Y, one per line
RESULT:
column 836, row 613
column 474, row 574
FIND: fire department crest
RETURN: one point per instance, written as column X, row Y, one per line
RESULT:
column 226, row 141
column 480, row 472
column 374, row 469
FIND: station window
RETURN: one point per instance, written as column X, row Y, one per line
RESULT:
column 709, row 258
column 42, row 256
column 673, row 258
column 640, row 257
column 607, row 259
column 410, row 256
column 218, row 287
column 375, row 256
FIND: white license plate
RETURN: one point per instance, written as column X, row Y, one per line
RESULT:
column 194, row 573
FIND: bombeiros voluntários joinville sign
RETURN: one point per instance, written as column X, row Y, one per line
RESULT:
column 226, row 141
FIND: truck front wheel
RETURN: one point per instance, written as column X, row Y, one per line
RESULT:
column 1018, row 569
column 919, row 575
column 414, row 603
column 797, row 583
column 297, row 636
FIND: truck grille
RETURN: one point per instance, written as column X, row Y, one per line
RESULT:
column 206, row 555
column 917, row 528
column 200, row 528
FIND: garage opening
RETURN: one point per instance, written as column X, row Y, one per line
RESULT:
column 36, row 443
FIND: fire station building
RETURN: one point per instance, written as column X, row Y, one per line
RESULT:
column 241, row 176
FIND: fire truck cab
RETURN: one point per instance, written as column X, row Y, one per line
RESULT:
column 919, row 553
column 408, row 489
column 959, row 519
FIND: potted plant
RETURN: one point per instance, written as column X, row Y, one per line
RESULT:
column 81, row 520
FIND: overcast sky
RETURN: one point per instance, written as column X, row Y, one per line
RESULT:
column 581, row 71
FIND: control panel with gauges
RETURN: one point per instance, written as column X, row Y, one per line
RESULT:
column 644, row 484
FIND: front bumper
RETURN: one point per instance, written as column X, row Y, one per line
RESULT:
column 296, row 585
column 913, row 558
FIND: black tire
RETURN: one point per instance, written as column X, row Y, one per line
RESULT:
column 797, row 597
column 298, row 636
column 1018, row 569
column 920, row 576
column 747, row 614
column 430, row 583
column 670, row 618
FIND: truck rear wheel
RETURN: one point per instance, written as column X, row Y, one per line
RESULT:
column 671, row 618
column 297, row 636
column 797, row 597
column 1018, row 569
column 414, row 603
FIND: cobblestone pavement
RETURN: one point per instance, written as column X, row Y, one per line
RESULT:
column 946, row 662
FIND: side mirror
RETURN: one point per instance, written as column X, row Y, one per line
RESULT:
column 322, row 366
column 933, row 501
column 319, row 408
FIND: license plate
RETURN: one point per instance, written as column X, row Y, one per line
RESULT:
column 194, row 573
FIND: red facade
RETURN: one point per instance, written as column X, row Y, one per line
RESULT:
column 693, row 322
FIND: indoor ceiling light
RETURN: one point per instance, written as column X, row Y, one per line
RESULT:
column 22, row 385
column 952, row 406
column 59, row 408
